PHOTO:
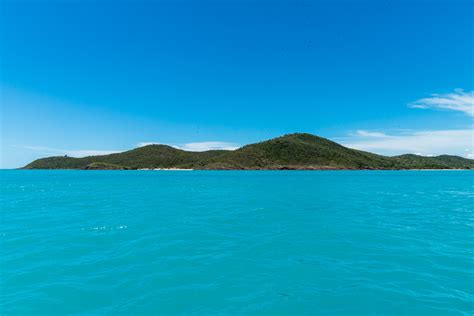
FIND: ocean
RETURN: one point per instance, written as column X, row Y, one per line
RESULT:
column 236, row 242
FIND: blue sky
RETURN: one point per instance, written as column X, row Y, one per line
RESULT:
column 84, row 77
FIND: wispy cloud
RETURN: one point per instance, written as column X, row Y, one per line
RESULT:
column 365, row 133
column 457, row 101
column 203, row 146
column 197, row 146
column 456, row 142
column 428, row 142
column 70, row 152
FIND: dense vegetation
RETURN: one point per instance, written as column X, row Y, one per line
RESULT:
column 294, row 151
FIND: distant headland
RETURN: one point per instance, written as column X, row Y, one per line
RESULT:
column 299, row 151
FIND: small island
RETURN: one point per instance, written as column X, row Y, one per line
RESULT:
column 299, row 151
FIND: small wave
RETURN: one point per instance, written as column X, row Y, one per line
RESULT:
column 106, row 228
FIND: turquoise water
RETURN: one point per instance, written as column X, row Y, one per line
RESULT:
column 237, row 242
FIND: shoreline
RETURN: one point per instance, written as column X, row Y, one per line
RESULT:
column 284, row 169
column 163, row 169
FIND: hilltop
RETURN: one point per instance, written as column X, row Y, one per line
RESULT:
column 299, row 151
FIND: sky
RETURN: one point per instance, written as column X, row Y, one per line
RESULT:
column 94, row 77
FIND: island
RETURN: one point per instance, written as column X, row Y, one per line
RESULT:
column 298, row 151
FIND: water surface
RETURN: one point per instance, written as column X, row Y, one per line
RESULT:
column 237, row 242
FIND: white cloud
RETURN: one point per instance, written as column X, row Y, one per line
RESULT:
column 371, row 134
column 197, row 146
column 456, row 101
column 70, row 152
column 454, row 142
column 203, row 146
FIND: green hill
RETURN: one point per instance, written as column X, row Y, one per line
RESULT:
column 294, row 151
column 411, row 161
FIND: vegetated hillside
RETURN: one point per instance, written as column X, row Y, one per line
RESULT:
column 303, row 151
column 151, row 156
column 411, row 161
column 294, row 151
